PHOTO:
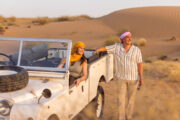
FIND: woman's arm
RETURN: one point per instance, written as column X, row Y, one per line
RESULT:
column 62, row 63
column 84, row 77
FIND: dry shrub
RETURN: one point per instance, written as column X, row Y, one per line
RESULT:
column 12, row 19
column 167, row 70
column 64, row 18
column 28, row 26
column 72, row 18
column 112, row 40
column 140, row 43
column 151, row 59
column 2, row 30
column 11, row 23
column 2, row 18
column 41, row 21
column 85, row 17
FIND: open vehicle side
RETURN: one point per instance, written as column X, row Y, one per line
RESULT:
column 59, row 101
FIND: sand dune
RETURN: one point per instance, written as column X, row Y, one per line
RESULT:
column 146, row 21
column 155, row 24
column 89, row 31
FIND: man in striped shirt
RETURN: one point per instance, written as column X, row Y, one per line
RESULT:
column 129, row 72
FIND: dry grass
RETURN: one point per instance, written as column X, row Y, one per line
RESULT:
column 72, row 18
column 11, row 19
column 112, row 40
column 2, row 30
column 4, row 22
column 41, row 21
column 140, row 42
column 46, row 20
column 167, row 70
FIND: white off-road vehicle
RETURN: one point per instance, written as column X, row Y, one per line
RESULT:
column 32, row 87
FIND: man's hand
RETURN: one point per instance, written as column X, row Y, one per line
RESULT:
column 96, row 52
column 140, row 83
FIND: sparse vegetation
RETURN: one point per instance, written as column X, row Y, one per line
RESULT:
column 1, row 18
column 2, row 30
column 167, row 70
column 28, row 26
column 7, row 21
column 41, row 21
column 64, row 18
column 11, row 24
column 12, row 19
column 163, row 57
column 112, row 40
column 72, row 18
column 141, row 42
column 173, row 39
column 151, row 59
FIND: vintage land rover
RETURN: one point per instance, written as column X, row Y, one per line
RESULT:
column 32, row 87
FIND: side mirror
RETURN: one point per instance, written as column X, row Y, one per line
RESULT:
column 45, row 93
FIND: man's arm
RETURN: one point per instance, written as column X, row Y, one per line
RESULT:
column 103, row 49
column 140, row 72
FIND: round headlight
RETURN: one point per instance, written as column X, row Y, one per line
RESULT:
column 5, row 107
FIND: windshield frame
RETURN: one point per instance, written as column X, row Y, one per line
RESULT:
column 21, row 40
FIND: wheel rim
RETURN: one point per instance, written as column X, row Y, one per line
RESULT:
column 99, row 105
column 7, row 72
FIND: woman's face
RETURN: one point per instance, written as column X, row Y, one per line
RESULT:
column 80, row 50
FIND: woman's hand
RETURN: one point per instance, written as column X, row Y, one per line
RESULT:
column 77, row 82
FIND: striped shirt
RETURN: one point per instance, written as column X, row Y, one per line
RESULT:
column 125, row 63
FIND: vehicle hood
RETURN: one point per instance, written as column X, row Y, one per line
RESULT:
column 32, row 90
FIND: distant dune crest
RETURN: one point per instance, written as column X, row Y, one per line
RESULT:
column 146, row 21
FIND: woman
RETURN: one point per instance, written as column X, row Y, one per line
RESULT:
column 78, row 64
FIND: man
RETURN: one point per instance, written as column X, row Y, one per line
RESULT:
column 129, row 72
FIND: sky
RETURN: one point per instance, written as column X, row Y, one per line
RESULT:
column 57, row 8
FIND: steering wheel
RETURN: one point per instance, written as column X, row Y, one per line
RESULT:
column 10, row 60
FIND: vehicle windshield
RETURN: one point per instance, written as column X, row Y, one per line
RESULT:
column 35, row 54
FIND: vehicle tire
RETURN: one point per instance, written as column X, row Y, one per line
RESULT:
column 98, row 103
column 53, row 117
column 16, row 79
column 94, row 110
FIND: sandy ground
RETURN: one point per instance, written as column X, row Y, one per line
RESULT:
column 156, row 100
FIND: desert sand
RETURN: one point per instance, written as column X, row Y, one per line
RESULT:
column 157, row 99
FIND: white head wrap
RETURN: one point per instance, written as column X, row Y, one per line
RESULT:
column 124, row 35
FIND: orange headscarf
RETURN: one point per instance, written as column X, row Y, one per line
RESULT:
column 74, row 55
